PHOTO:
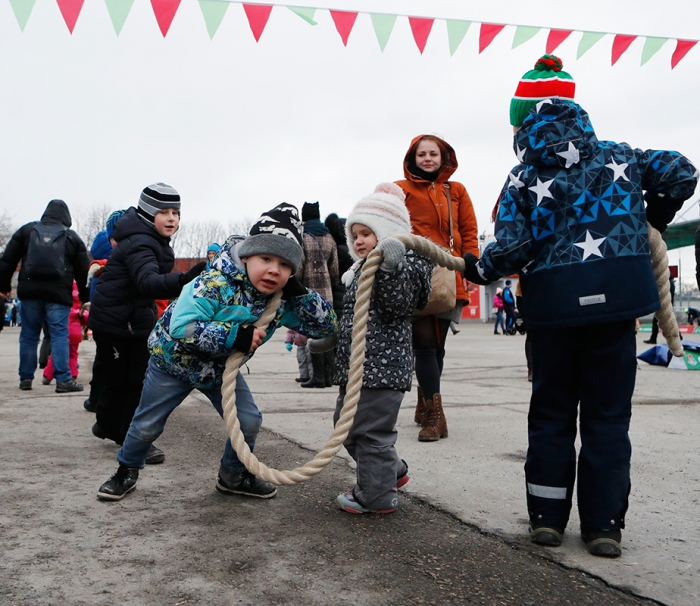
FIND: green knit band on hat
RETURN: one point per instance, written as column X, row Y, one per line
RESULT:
column 545, row 81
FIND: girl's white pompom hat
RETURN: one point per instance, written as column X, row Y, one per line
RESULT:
column 384, row 212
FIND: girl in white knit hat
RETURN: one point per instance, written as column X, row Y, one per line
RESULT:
column 401, row 284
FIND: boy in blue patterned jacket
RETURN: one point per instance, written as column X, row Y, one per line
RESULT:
column 572, row 219
column 195, row 335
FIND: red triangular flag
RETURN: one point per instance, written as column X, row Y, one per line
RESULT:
column 70, row 9
column 164, row 11
column 421, row 30
column 343, row 23
column 257, row 14
column 620, row 44
column 487, row 33
column 682, row 48
column 555, row 38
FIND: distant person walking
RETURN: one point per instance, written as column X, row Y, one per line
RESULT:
column 498, row 306
column 52, row 257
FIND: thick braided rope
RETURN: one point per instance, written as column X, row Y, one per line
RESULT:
column 665, row 315
column 357, row 358
column 357, row 362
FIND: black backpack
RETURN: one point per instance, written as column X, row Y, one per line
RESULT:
column 46, row 254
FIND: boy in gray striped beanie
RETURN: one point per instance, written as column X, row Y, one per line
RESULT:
column 156, row 198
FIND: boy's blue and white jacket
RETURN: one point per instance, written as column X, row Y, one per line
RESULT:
column 572, row 220
column 195, row 335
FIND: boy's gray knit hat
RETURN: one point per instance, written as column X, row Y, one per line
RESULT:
column 277, row 232
column 155, row 198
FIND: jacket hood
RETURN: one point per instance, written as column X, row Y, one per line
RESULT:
column 57, row 212
column 131, row 224
column 227, row 260
column 445, row 171
column 556, row 133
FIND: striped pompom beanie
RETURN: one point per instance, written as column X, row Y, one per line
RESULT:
column 546, row 81
column 155, row 198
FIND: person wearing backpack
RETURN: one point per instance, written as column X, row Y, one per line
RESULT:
column 52, row 257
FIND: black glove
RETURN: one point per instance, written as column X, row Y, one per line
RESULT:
column 470, row 272
column 661, row 210
column 244, row 338
column 293, row 288
column 192, row 273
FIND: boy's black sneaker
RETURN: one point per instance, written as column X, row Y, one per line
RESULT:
column 546, row 535
column 68, row 386
column 155, row 455
column 25, row 384
column 119, row 485
column 244, row 483
column 603, row 543
column 89, row 406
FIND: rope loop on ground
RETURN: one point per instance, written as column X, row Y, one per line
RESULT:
column 667, row 321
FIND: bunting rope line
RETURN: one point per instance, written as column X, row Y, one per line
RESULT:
column 258, row 13
column 357, row 356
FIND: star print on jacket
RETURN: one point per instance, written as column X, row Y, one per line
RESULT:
column 572, row 219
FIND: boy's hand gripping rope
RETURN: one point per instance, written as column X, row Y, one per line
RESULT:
column 357, row 359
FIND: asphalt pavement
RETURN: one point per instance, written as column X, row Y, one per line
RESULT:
column 472, row 483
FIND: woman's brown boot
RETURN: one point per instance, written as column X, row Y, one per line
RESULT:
column 434, row 423
column 419, row 417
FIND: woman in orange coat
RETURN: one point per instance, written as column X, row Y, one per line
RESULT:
column 428, row 165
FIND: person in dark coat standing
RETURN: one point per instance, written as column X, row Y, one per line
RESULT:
column 46, row 292
column 336, row 227
column 572, row 221
column 123, row 310
column 319, row 272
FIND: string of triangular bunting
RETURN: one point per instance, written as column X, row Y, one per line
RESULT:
column 258, row 15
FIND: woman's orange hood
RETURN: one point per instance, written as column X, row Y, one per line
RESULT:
column 445, row 171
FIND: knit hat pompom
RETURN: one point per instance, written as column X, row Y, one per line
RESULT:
column 549, row 62
column 277, row 232
column 392, row 189
column 383, row 211
column 546, row 81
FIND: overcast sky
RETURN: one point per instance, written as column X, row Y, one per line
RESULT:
column 238, row 126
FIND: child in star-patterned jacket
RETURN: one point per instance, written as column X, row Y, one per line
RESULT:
column 572, row 220
column 401, row 285
column 214, row 315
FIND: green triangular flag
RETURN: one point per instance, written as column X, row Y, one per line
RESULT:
column 523, row 33
column 307, row 14
column 651, row 47
column 456, row 30
column 587, row 41
column 213, row 11
column 383, row 25
column 22, row 8
column 118, row 12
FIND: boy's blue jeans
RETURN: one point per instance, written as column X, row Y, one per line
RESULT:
column 33, row 314
column 163, row 393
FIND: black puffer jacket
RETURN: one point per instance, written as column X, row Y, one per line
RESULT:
column 54, row 290
column 137, row 273
column 389, row 348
